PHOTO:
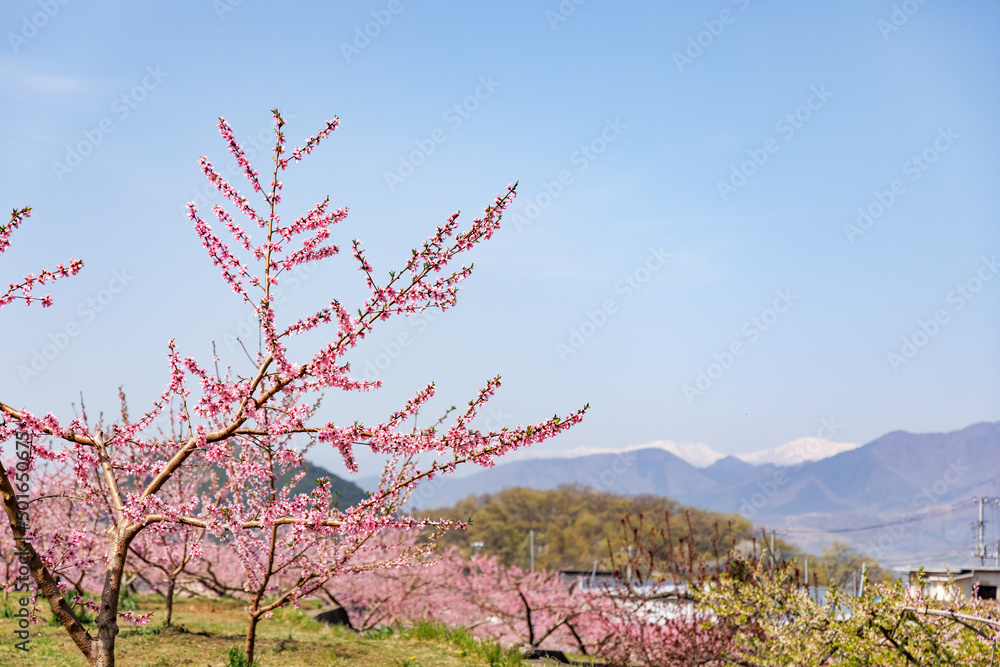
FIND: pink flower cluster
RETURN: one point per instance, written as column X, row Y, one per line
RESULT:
column 22, row 290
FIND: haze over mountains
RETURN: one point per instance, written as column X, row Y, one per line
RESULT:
column 701, row 455
column 916, row 489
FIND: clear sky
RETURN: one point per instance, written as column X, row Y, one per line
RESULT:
column 735, row 220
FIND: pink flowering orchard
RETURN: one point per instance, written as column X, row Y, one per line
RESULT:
column 250, row 427
column 530, row 610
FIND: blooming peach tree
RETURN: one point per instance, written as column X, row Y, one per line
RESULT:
column 259, row 423
column 531, row 610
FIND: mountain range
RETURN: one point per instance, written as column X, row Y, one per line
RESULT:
column 701, row 455
column 901, row 497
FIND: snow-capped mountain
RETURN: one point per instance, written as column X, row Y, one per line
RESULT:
column 807, row 485
column 697, row 454
column 791, row 453
column 797, row 451
column 700, row 455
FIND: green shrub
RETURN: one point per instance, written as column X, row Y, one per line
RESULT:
column 237, row 658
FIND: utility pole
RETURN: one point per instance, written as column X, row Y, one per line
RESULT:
column 980, row 545
column 980, row 551
column 531, row 539
column 807, row 577
column 996, row 553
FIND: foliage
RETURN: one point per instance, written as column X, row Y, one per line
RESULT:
column 573, row 524
column 839, row 566
column 237, row 658
column 676, row 608
column 778, row 622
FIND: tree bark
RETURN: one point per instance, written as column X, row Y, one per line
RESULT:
column 27, row 556
column 103, row 646
column 170, row 603
column 248, row 647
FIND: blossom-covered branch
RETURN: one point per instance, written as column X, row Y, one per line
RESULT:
column 22, row 290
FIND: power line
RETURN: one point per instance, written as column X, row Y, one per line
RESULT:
column 900, row 522
column 898, row 562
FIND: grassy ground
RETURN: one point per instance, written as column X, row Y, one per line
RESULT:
column 204, row 630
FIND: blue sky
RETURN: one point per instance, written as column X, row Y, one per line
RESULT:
column 685, row 253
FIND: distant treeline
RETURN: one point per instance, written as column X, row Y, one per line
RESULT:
column 574, row 526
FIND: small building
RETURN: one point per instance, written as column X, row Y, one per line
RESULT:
column 583, row 580
column 942, row 583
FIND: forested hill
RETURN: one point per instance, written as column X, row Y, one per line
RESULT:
column 347, row 493
column 574, row 525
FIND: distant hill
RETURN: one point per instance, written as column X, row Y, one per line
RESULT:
column 347, row 493
column 899, row 476
column 575, row 527
column 644, row 471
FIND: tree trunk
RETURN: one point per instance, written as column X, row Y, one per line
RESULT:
column 527, row 618
column 170, row 603
column 103, row 646
column 25, row 554
column 251, row 638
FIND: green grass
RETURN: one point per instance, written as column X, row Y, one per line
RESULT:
column 204, row 632
column 237, row 658
column 489, row 652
